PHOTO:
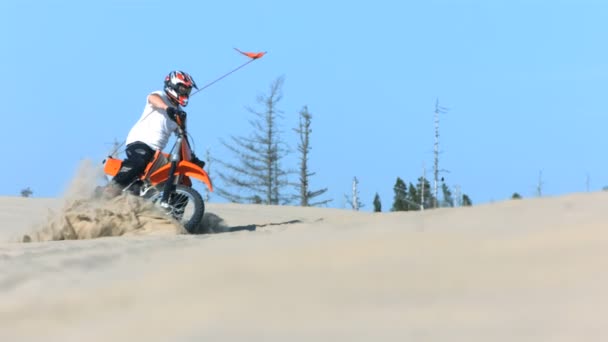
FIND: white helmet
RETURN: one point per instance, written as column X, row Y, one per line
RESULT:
column 178, row 86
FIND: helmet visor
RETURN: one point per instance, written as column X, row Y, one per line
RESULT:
column 183, row 90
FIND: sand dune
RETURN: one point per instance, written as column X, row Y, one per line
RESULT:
column 529, row 270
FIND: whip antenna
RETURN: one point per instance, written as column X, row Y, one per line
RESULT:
column 252, row 57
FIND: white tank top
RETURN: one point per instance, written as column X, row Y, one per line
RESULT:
column 154, row 128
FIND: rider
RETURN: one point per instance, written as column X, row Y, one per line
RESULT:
column 152, row 131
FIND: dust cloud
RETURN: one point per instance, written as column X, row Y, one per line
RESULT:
column 84, row 216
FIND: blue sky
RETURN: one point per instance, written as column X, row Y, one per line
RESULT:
column 524, row 83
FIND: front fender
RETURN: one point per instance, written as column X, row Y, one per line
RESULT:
column 185, row 168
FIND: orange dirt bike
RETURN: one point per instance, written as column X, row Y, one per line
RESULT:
column 166, row 181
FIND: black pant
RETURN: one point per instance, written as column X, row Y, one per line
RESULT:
column 139, row 155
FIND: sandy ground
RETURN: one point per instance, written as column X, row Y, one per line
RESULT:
column 527, row 270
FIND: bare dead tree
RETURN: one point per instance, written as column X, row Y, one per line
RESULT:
column 458, row 195
column 539, row 185
column 115, row 148
column 354, row 200
column 304, row 130
column 436, row 152
column 258, row 175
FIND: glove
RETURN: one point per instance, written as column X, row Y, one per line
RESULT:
column 171, row 113
column 182, row 115
column 197, row 161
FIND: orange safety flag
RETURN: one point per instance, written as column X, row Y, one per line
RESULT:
column 252, row 55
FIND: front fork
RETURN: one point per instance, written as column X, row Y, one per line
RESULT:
column 171, row 181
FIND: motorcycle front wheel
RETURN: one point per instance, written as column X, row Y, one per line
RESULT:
column 185, row 205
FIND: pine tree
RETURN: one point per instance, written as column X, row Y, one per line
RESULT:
column 413, row 198
column 304, row 130
column 259, row 174
column 466, row 201
column 377, row 204
column 448, row 201
column 27, row 192
column 400, row 201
